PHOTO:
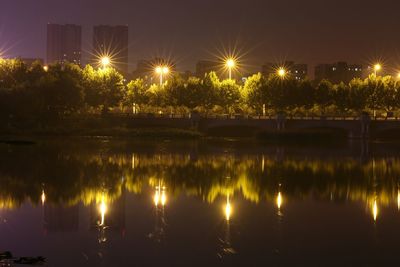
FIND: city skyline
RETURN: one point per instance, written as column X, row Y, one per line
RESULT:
column 302, row 32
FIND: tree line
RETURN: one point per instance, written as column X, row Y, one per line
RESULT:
column 60, row 90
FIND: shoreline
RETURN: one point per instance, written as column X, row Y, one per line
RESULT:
column 308, row 137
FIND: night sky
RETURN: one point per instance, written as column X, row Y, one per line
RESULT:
column 309, row 31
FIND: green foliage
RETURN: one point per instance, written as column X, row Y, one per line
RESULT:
column 254, row 92
column 103, row 87
column 31, row 91
column 136, row 92
column 228, row 96
column 324, row 95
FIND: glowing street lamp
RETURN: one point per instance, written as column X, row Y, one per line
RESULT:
column 46, row 68
column 105, row 61
column 230, row 64
column 162, row 71
column 377, row 68
column 282, row 73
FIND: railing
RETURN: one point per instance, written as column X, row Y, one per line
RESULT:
column 241, row 117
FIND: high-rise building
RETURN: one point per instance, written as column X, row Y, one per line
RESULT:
column 64, row 43
column 294, row 70
column 112, row 41
column 338, row 72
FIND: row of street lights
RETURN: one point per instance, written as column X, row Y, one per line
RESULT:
column 230, row 65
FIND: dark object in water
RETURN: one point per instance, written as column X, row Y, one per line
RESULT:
column 6, row 255
column 17, row 142
column 30, row 260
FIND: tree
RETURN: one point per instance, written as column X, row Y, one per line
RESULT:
column 229, row 96
column 388, row 101
column 60, row 89
column 210, row 87
column 341, row 97
column 357, row 95
column 156, row 96
column 193, row 94
column 281, row 93
column 305, row 96
column 173, row 90
column 254, row 92
column 103, row 87
column 324, row 95
column 136, row 93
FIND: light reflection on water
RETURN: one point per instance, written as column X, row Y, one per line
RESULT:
column 225, row 204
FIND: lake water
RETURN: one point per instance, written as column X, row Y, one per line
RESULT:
column 217, row 203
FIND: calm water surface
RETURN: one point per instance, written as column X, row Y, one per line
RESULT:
column 119, row 203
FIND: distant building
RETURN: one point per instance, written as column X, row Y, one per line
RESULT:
column 294, row 70
column 112, row 41
column 145, row 68
column 205, row 66
column 186, row 74
column 338, row 72
column 30, row 61
column 64, row 43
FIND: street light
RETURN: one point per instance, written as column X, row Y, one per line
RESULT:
column 282, row 72
column 377, row 68
column 230, row 64
column 105, row 61
column 162, row 70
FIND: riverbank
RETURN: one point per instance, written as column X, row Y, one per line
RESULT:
column 115, row 132
column 269, row 129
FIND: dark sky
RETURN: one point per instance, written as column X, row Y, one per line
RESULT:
column 310, row 31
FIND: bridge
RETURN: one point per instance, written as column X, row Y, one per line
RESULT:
column 354, row 127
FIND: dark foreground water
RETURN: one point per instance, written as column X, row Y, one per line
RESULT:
column 117, row 203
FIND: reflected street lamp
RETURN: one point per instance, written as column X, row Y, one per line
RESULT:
column 279, row 200
column 228, row 208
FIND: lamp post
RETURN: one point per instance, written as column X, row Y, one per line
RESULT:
column 377, row 68
column 161, row 71
column 230, row 64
